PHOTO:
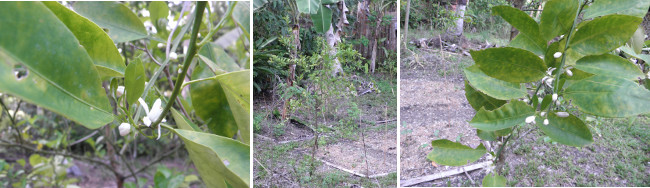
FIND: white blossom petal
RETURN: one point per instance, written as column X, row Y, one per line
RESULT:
column 124, row 129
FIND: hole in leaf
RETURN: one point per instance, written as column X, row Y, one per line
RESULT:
column 20, row 72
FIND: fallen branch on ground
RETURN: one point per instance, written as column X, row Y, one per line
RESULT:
column 414, row 181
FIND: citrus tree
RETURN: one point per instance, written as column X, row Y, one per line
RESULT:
column 583, row 55
column 75, row 61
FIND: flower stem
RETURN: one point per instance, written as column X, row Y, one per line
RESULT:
column 200, row 7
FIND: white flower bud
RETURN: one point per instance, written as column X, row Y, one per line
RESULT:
column 557, row 55
column 530, row 119
column 125, row 129
column 557, row 103
column 562, row 114
column 543, row 114
column 561, row 36
column 173, row 55
column 525, row 100
column 618, row 50
column 569, row 73
column 161, row 45
column 119, row 91
column 119, row 50
column 648, row 74
column 554, row 97
column 545, row 121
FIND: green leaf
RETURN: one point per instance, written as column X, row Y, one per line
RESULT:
column 637, row 40
column 158, row 11
column 241, row 15
column 217, row 59
column 492, row 135
column 122, row 24
column 134, row 81
column 630, row 51
column 494, row 180
column 218, row 158
column 609, row 96
column 450, row 153
column 518, row 19
column 570, row 131
column 510, row 64
column 236, row 86
column 636, row 8
column 493, row 87
column 184, row 123
column 604, row 34
column 504, row 117
column 479, row 100
column 258, row 4
column 43, row 53
column 211, row 104
column 557, row 18
column 610, row 65
column 322, row 19
column 308, row 6
column 97, row 43
column 549, row 60
column 526, row 42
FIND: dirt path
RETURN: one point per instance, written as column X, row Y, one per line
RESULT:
column 433, row 106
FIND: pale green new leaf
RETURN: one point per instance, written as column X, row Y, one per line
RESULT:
column 510, row 64
column 636, row 8
column 557, row 18
column 480, row 100
column 604, row 34
column 570, row 131
column 609, row 96
column 236, row 86
column 122, row 24
column 610, row 65
column 308, row 6
column 217, row 158
column 60, row 76
column 493, row 87
column 494, row 180
column 637, row 40
column 97, row 43
column 630, row 51
column 506, row 116
column 450, row 153
column 134, row 81
column 158, row 11
column 322, row 19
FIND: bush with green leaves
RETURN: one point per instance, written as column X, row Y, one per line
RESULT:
column 583, row 55
column 66, row 59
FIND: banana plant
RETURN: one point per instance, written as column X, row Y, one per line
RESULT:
column 562, row 61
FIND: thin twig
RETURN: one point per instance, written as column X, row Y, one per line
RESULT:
column 84, row 138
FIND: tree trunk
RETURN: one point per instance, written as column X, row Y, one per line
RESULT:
column 292, row 67
column 406, row 22
column 517, row 4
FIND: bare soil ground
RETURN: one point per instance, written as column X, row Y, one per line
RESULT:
column 285, row 159
column 433, row 106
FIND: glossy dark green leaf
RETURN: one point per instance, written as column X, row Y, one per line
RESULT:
column 450, row 153
column 218, row 159
column 97, row 43
column 604, row 34
column 610, row 65
column 570, row 131
column 217, row 59
column 158, row 11
column 322, row 19
column 122, row 24
column 480, row 100
column 36, row 65
column 308, row 6
column 241, row 15
column 503, row 117
column 493, row 87
column 134, row 81
column 557, row 18
column 636, row 8
column 518, row 19
column 526, row 42
column 494, row 180
column 510, row 64
column 609, row 96
column 492, row 135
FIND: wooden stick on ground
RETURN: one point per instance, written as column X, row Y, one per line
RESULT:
column 414, row 181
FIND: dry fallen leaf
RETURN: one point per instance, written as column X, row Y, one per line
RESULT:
column 434, row 164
